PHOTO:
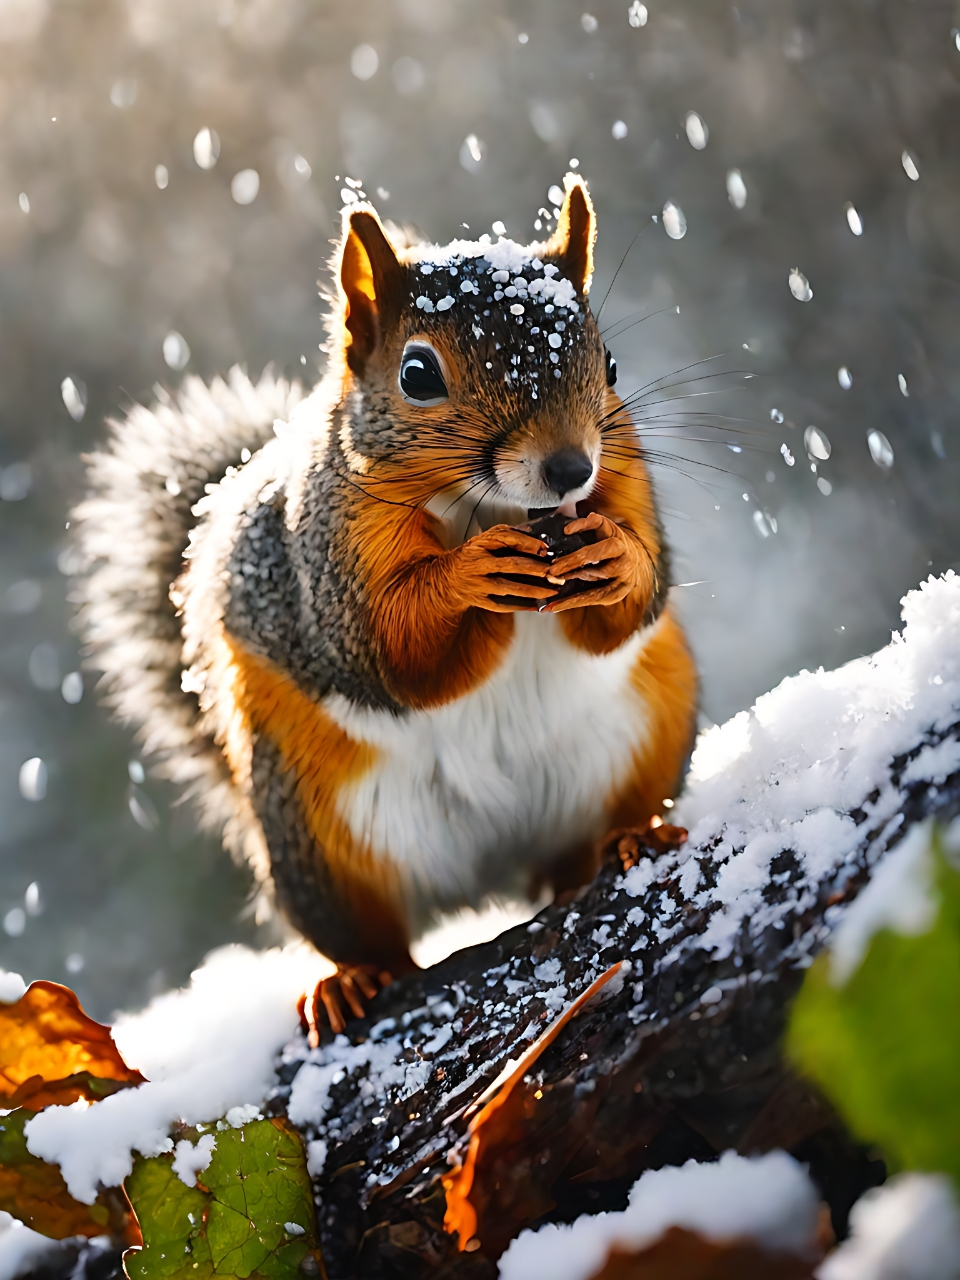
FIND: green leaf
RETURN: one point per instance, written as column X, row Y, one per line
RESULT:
column 885, row 1047
column 235, row 1222
column 171, row 1217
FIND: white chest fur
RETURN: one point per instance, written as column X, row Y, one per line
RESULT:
column 471, row 797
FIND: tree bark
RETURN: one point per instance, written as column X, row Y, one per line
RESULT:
column 676, row 1056
column 680, row 1057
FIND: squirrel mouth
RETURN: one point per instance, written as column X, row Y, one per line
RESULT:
column 568, row 509
column 462, row 515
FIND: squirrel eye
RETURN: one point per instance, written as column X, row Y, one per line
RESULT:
column 421, row 379
column 611, row 367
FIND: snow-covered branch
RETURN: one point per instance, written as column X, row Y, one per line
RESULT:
column 472, row 1104
column 790, row 806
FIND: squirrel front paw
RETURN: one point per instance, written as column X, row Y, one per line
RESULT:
column 616, row 562
column 337, row 997
column 504, row 570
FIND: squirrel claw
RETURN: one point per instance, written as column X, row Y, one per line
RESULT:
column 633, row 843
column 338, row 997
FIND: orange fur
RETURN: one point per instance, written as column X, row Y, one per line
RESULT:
column 370, row 285
column 434, row 645
column 666, row 679
column 325, row 760
column 576, row 233
column 623, row 492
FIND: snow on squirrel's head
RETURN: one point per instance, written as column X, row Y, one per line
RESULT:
column 478, row 364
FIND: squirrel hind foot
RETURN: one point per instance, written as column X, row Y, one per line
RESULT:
column 339, row 997
column 630, row 844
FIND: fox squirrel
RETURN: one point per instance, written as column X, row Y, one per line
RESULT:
column 330, row 615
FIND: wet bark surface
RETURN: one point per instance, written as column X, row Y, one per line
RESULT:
column 678, row 1058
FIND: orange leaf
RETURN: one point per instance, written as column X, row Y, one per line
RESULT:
column 462, row 1198
column 45, row 1037
column 37, row 1093
column 685, row 1255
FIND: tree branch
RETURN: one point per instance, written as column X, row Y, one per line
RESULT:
column 678, row 1057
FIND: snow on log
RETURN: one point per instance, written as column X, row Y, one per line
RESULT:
column 536, row 1077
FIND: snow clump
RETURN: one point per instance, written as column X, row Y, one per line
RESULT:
column 908, row 1229
column 767, row 1198
column 21, row 1249
column 12, row 987
column 189, row 1160
column 204, row 1050
column 790, row 773
column 900, row 896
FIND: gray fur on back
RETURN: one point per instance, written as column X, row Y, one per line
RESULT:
column 132, row 531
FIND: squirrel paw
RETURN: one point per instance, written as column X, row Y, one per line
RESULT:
column 615, row 563
column 633, row 843
column 338, row 997
column 503, row 570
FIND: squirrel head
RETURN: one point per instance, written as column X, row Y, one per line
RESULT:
column 474, row 368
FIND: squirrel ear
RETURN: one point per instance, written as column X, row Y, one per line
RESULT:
column 371, row 280
column 572, row 242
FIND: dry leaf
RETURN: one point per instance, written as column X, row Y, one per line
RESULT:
column 51, row 1054
column 37, row 1093
column 501, row 1122
column 685, row 1255
column 45, row 1037
column 35, row 1193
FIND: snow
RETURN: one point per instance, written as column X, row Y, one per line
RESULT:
column 900, row 896
column 378, row 1063
column 934, row 764
column 792, row 774
column 316, row 1157
column 504, row 255
column 21, row 1248
column 908, row 1229
column 456, row 930
column 12, row 987
column 204, row 1050
column 768, row 1198
column 507, row 260
column 548, row 971
column 467, row 279
column 189, row 1160
column 788, row 774
column 237, row 1117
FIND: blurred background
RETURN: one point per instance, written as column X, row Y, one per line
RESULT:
column 171, row 175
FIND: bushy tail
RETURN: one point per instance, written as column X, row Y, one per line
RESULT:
column 131, row 533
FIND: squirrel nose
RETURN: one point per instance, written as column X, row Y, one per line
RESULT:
column 567, row 469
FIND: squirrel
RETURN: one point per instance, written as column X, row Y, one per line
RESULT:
column 330, row 615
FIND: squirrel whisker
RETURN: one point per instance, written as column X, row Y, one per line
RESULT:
column 609, row 336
